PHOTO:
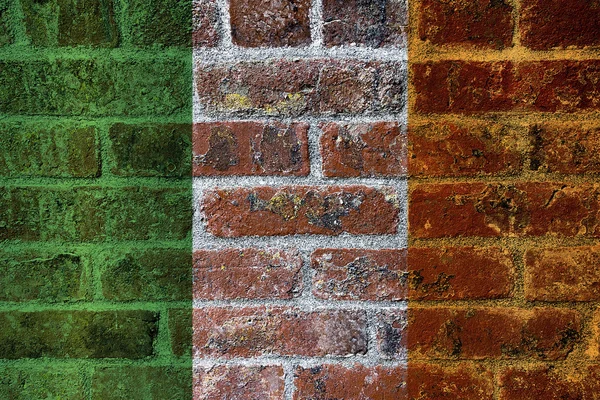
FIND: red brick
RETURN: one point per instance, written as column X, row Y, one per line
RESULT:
column 297, row 87
column 246, row 273
column 363, row 149
column 563, row 274
column 329, row 210
column 550, row 383
column 474, row 87
column 553, row 23
column 465, row 149
column 417, row 381
column 283, row 331
column 270, row 23
column 205, row 16
column 369, row 23
column 565, row 148
column 484, row 23
column 431, row 274
column 481, row 333
column 477, row 209
column 250, row 148
column 239, row 382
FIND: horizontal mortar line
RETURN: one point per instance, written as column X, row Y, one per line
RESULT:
column 301, row 361
column 71, row 183
column 306, row 303
column 510, row 242
column 91, row 120
column 542, row 177
column 512, row 118
column 97, row 306
column 117, row 245
column 23, row 53
column 238, row 54
column 237, row 181
column 45, row 362
column 400, row 117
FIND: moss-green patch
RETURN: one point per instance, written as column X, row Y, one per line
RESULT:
column 50, row 383
column 180, row 328
column 6, row 34
column 160, row 22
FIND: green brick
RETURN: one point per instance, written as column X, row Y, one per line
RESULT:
column 160, row 22
column 142, row 383
column 104, row 87
column 35, row 275
column 20, row 216
column 48, row 383
column 157, row 274
column 180, row 331
column 6, row 36
column 162, row 150
column 78, row 334
column 59, row 151
column 70, row 22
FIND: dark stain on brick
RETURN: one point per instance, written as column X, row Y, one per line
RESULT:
column 222, row 152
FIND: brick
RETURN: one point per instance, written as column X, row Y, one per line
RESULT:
column 593, row 344
column 524, row 209
column 205, row 23
column 475, row 87
column 160, row 22
column 363, row 149
column 298, row 87
column 562, row 274
column 71, row 23
column 465, row 149
column 472, row 333
column 61, row 151
column 417, row 274
column 99, row 87
column 550, row 382
column 247, row 274
column 78, row 334
column 146, row 274
column 161, row 150
column 20, row 217
column 180, row 331
column 374, row 24
column 142, row 383
column 278, row 331
column 239, row 382
column 565, row 148
column 258, row 23
column 47, row 382
column 546, row 24
column 6, row 34
column 422, row 381
column 37, row 275
column 329, row 210
column 481, row 23
column 251, row 148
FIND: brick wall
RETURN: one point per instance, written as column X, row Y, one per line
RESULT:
column 95, row 199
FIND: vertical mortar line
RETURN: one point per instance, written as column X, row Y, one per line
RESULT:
column 307, row 275
column 316, row 23
column 225, row 24
column 18, row 29
column 517, row 19
column 314, row 151
column 288, row 376
column 372, row 356
column 162, row 343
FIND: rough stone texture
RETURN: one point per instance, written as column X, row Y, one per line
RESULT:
column 329, row 210
column 522, row 209
column 247, row 274
column 239, row 382
column 417, row 381
column 482, row 23
column 26, row 383
column 78, row 334
column 562, row 274
column 205, row 22
column 251, row 148
column 301, row 87
column 278, row 331
column 565, row 148
column 160, row 22
column 272, row 23
column 551, row 23
column 376, row 149
column 477, row 87
column 365, row 23
column 161, row 150
column 61, row 151
column 550, row 383
column 480, row 333
column 466, row 149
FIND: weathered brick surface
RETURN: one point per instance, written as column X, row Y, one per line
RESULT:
column 180, row 329
column 256, row 23
column 6, row 35
column 548, row 23
column 251, row 148
column 239, row 382
column 255, row 331
column 365, row 23
column 289, row 210
column 160, row 22
column 25, row 383
column 376, row 149
column 300, row 87
column 205, row 23
column 484, row 23
column 247, row 273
